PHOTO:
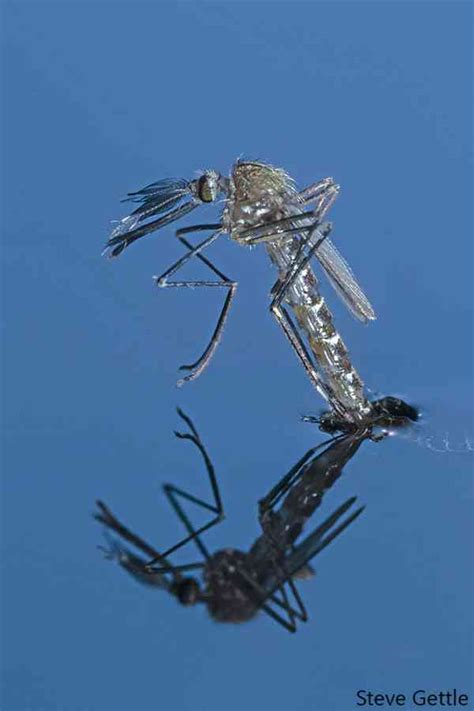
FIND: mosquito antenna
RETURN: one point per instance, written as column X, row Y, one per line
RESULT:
column 107, row 518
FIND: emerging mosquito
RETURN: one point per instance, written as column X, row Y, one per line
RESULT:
column 262, row 205
column 237, row 585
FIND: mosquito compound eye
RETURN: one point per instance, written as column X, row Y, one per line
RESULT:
column 206, row 190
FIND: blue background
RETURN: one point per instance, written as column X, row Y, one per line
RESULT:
column 102, row 98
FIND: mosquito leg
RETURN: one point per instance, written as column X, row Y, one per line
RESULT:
column 324, row 193
column 316, row 189
column 266, row 230
column 314, row 240
column 272, row 232
column 326, row 202
column 197, row 228
column 290, row 626
column 162, row 281
column 263, row 597
column 174, row 494
column 281, row 314
column 275, row 235
column 284, row 603
column 311, row 546
column 300, row 613
column 177, row 568
column 291, row 332
column 200, row 364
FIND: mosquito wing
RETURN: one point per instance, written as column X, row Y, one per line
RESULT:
column 335, row 266
column 344, row 282
column 136, row 566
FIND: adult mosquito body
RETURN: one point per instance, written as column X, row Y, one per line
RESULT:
column 261, row 205
column 236, row 585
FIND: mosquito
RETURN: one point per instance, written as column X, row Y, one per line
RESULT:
column 236, row 585
column 262, row 205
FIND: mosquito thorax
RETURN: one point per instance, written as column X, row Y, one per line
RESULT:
column 187, row 591
column 229, row 597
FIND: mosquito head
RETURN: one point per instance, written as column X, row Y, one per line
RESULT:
column 331, row 423
column 187, row 591
column 208, row 186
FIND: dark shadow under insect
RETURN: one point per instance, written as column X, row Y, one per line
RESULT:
column 236, row 585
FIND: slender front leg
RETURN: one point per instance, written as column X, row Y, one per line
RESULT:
column 201, row 363
column 324, row 193
column 173, row 493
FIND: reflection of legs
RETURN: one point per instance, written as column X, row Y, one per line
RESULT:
column 173, row 493
column 311, row 546
column 262, row 598
column 197, row 367
column 300, row 613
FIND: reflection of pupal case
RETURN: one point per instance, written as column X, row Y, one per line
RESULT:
column 261, row 204
column 236, row 585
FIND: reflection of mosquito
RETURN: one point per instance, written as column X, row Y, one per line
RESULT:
column 262, row 205
column 236, row 585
